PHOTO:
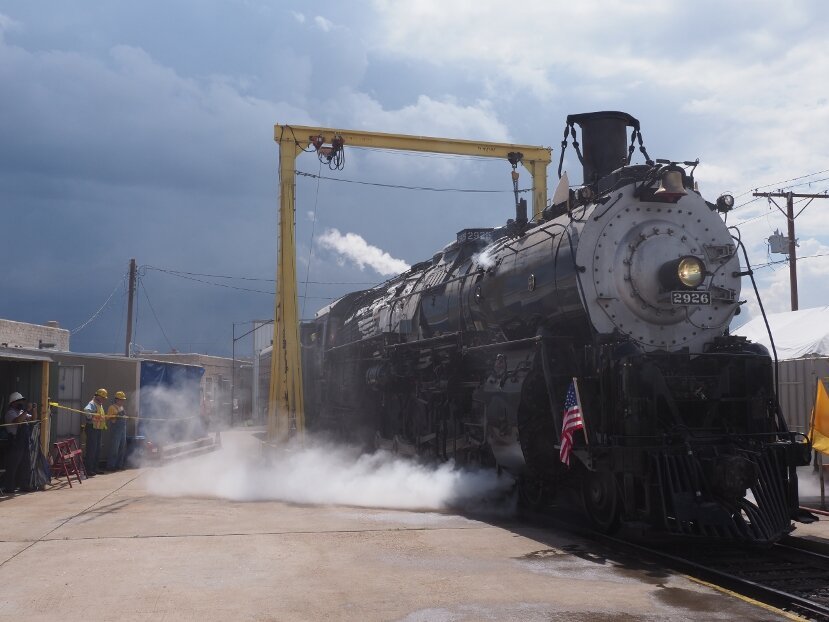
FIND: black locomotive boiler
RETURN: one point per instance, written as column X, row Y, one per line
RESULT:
column 627, row 283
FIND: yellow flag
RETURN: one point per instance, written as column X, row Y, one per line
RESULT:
column 819, row 434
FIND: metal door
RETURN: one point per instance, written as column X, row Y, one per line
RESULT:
column 70, row 378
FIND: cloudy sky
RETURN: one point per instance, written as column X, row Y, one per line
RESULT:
column 145, row 129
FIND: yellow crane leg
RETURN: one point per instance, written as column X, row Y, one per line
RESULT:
column 285, row 403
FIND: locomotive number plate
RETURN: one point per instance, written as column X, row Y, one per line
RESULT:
column 690, row 298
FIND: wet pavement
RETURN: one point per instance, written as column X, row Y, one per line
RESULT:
column 109, row 550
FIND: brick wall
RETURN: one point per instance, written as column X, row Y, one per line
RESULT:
column 22, row 335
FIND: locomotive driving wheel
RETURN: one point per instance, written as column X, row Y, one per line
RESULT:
column 601, row 500
column 532, row 493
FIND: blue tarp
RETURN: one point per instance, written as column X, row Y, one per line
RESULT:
column 171, row 392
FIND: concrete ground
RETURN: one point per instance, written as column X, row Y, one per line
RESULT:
column 109, row 550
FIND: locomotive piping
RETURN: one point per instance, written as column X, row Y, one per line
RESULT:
column 607, row 209
column 763, row 312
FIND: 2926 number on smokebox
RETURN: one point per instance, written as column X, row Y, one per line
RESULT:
column 690, row 298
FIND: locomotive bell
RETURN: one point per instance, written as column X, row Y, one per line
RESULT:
column 671, row 184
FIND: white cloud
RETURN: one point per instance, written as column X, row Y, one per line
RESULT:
column 298, row 16
column 324, row 24
column 7, row 24
column 356, row 250
column 428, row 116
column 745, row 88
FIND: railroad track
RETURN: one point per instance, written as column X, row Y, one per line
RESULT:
column 792, row 575
column 787, row 575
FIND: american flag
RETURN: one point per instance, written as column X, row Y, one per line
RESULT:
column 572, row 421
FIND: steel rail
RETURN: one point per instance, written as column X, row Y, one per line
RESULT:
column 755, row 589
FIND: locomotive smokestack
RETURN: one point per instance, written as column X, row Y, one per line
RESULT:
column 604, row 141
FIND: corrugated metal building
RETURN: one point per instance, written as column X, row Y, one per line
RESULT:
column 801, row 339
column 798, row 386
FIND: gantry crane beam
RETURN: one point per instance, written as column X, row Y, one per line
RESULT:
column 285, row 397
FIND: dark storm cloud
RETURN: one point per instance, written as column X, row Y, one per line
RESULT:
column 104, row 158
column 125, row 143
column 145, row 130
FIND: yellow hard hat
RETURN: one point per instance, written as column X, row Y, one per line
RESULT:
column 120, row 395
column 102, row 393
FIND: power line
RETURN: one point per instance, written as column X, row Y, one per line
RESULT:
column 779, row 261
column 98, row 312
column 247, row 278
column 161, row 328
column 401, row 187
column 311, row 243
column 212, row 276
column 764, row 214
column 244, row 289
column 785, row 181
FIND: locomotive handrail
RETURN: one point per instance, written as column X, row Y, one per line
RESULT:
column 503, row 344
column 420, row 342
column 766, row 322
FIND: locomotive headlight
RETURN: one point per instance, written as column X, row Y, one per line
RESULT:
column 690, row 271
column 687, row 272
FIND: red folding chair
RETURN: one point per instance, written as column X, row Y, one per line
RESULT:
column 64, row 461
column 77, row 456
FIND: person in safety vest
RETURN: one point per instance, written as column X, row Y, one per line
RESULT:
column 17, row 453
column 117, row 422
column 96, row 423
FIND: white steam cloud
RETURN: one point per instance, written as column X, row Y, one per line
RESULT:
column 486, row 259
column 808, row 482
column 172, row 414
column 325, row 474
column 354, row 248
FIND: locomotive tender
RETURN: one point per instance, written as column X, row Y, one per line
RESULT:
column 628, row 284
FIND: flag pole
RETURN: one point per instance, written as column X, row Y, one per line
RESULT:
column 581, row 406
column 818, row 454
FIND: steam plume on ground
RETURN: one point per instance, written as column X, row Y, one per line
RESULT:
column 324, row 473
column 172, row 414
column 808, row 482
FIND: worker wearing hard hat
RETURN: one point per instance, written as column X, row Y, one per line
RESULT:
column 117, row 423
column 96, row 423
column 17, row 473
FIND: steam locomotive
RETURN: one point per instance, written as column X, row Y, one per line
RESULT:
column 625, row 285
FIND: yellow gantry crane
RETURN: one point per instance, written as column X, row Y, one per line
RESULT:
column 285, row 402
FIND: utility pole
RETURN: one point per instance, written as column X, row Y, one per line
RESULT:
column 130, row 305
column 790, row 216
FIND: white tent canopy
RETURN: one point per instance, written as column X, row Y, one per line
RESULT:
column 796, row 333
